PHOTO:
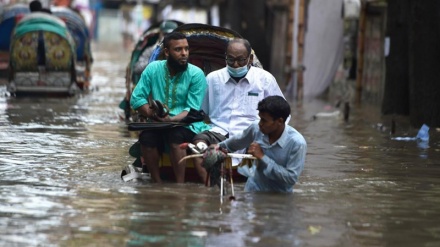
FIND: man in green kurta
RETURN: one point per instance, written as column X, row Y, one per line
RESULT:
column 180, row 86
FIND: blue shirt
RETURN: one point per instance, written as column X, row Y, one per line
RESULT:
column 282, row 163
column 184, row 91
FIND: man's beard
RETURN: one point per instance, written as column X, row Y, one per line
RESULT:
column 175, row 65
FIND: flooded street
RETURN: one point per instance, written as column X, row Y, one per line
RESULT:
column 60, row 185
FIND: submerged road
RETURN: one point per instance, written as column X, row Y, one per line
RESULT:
column 60, row 161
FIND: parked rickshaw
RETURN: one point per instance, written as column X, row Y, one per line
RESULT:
column 42, row 56
column 207, row 49
column 8, row 19
column 80, row 33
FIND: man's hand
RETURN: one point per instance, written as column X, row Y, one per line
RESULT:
column 146, row 111
column 255, row 150
column 164, row 119
column 156, row 110
column 149, row 111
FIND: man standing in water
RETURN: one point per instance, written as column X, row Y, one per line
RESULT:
column 279, row 148
column 179, row 85
column 232, row 96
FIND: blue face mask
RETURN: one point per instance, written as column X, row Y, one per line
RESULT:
column 238, row 72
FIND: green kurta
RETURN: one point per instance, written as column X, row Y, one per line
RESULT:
column 180, row 93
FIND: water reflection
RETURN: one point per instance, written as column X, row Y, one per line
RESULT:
column 173, row 216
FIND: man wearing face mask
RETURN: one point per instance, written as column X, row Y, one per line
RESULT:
column 232, row 96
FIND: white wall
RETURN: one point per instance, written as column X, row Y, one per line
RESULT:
column 323, row 45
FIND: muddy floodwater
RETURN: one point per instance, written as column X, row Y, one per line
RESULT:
column 60, row 185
